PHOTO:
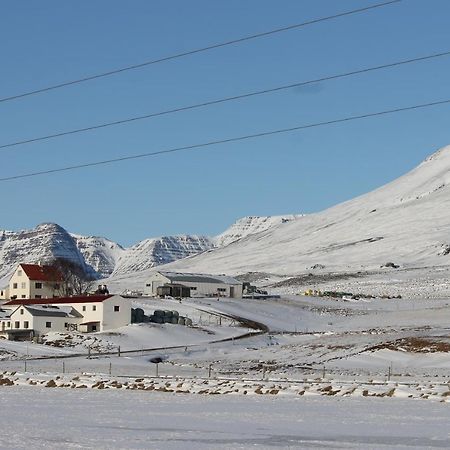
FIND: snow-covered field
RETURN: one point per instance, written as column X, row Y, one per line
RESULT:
column 117, row 419
column 290, row 372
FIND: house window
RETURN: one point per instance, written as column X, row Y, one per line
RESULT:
column 23, row 296
column 116, row 308
column 23, row 285
column 48, row 324
column 14, row 285
column 84, row 307
column 8, row 324
column 38, row 285
column 19, row 273
column 21, row 311
column 16, row 324
column 194, row 288
column 26, row 324
column 38, row 296
column 94, row 327
column 94, row 307
column 221, row 290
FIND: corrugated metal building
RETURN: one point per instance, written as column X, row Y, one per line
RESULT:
column 200, row 285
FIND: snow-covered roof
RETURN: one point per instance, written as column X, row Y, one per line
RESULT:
column 199, row 278
column 52, row 311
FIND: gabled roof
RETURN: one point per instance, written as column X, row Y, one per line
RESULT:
column 59, row 300
column 35, row 272
column 199, row 278
column 52, row 311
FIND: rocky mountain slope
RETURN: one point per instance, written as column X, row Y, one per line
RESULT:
column 406, row 222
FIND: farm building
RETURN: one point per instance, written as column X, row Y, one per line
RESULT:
column 34, row 281
column 194, row 284
column 22, row 318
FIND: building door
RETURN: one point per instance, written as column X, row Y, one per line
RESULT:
column 232, row 292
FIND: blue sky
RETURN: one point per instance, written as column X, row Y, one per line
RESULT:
column 204, row 191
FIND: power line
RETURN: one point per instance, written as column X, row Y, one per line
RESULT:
column 228, row 140
column 224, row 100
column 198, row 50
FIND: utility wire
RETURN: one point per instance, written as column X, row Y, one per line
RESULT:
column 226, row 141
column 224, row 100
column 198, row 50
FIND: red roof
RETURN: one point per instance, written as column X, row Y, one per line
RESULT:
column 36, row 272
column 58, row 300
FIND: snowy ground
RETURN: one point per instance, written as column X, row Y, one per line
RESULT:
column 58, row 418
column 320, row 372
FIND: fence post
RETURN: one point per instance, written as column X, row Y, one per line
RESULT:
column 157, row 370
column 63, row 367
column 89, row 352
column 209, row 371
column 110, row 368
column 323, row 373
column 118, row 351
column 25, row 365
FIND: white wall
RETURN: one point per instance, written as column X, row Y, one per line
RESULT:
column 153, row 282
column 114, row 319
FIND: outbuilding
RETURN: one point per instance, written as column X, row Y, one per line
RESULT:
column 199, row 285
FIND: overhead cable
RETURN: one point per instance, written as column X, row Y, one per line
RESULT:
column 226, row 141
column 222, row 100
column 195, row 51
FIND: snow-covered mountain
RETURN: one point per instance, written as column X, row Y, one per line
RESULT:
column 102, row 257
column 99, row 253
column 406, row 221
column 154, row 252
column 43, row 243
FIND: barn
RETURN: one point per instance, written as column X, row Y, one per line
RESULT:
column 198, row 284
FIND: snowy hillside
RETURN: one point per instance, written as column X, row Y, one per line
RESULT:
column 251, row 225
column 406, row 221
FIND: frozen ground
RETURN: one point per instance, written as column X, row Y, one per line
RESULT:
column 58, row 418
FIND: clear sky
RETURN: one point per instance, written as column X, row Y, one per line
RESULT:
column 204, row 191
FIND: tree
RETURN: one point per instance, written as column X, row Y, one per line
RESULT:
column 75, row 281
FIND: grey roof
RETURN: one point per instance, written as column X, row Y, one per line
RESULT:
column 54, row 311
column 200, row 278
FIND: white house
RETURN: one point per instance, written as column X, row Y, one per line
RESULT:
column 34, row 281
column 33, row 317
column 199, row 285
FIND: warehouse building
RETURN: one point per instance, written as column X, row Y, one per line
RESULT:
column 194, row 284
